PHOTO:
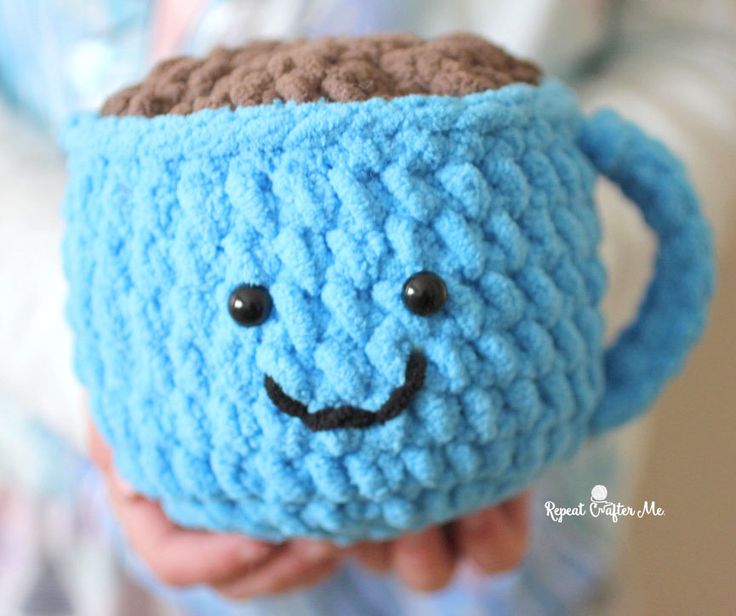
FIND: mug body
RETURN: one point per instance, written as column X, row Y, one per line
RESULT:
column 330, row 208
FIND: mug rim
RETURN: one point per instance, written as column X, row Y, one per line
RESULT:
column 279, row 127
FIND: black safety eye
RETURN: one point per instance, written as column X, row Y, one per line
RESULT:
column 249, row 305
column 424, row 293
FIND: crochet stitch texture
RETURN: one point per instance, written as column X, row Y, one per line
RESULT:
column 331, row 207
column 339, row 69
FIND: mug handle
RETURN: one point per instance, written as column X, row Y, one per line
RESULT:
column 673, row 312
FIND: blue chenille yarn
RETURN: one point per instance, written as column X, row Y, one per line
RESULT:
column 331, row 207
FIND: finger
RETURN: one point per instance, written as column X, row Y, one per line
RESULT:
column 374, row 556
column 495, row 539
column 121, row 486
column 301, row 563
column 97, row 448
column 182, row 557
column 101, row 454
column 246, row 588
column 299, row 560
column 423, row 560
column 319, row 573
column 517, row 511
column 315, row 575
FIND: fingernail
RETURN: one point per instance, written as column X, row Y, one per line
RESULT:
column 316, row 550
column 256, row 552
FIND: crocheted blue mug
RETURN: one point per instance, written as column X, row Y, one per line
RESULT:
column 350, row 320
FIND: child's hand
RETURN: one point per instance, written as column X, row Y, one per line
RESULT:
column 494, row 539
column 234, row 564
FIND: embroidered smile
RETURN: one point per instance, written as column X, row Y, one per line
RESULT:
column 332, row 417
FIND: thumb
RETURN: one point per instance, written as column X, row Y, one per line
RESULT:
column 98, row 450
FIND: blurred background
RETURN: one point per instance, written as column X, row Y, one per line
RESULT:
column 670, row 65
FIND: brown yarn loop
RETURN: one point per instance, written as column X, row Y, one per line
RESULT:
column 332, row 69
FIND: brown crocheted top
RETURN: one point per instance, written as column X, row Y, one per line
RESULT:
column 333, row 69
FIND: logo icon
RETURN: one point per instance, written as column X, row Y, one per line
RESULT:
column 599, row 493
